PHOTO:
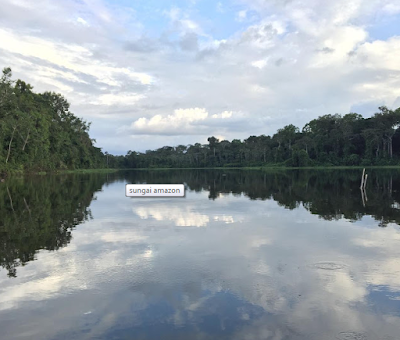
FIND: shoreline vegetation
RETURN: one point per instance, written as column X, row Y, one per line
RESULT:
column 266, row 167
column 258, row 168
column 254, row 168
column 40, row 135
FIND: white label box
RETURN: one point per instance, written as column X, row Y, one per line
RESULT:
column 154, row 190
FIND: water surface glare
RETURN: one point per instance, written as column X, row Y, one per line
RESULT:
column 300, row 255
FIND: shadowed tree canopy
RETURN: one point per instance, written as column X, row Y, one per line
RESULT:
column 39, row 132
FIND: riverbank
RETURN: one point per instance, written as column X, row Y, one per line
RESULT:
column 20, row 173
column 275, row 167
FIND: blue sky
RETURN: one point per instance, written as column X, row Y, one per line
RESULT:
column 386, row 28
column 217, row 17
column 151, row 73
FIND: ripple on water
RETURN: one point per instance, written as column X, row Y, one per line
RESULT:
column 351, row 336
column 329, row 265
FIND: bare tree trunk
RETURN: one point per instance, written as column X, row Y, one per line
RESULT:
column 383, row 147
column 9, row 144
column 26, row 141
column 11, row 201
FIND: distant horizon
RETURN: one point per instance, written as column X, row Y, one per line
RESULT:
column 151, row 74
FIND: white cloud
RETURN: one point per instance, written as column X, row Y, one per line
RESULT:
column 117, row 99
column 241, row 15
column 24, row 3
column 190, row 25
column 223, row 115
column 181, row 120
column 391, row 8
column 380, row 54
column 260, row 63
column 337, row 45
column 257, row 89
column 111, row 62
column 82, row 21
column 74, row 58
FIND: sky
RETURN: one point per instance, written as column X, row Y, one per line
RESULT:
column 154, row 73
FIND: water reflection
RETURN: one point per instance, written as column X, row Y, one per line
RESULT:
column 331, row 194
column 40, row 213
column 215, row 265
column 181, row 216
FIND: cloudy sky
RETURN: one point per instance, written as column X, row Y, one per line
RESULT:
column 154, row 73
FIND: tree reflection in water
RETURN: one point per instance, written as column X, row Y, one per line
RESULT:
column 41, row 212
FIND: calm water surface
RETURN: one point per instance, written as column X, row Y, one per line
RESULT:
column 246, row 255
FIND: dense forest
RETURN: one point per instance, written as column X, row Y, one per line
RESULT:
column 38, row 132
column 329, row 140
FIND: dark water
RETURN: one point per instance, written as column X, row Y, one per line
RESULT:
column 246, row 255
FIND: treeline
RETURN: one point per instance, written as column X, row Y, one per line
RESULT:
column 330, row 140
column 38, row 131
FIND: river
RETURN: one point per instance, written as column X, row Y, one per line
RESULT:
column 299, row 254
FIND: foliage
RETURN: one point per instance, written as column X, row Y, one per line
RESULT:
column 39, row 132
column 329, row 140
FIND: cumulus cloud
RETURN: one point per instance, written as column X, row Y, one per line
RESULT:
column 380, row 53
column 223, row 115
column 191, row 121
column 182, row 120
column 114, row 61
